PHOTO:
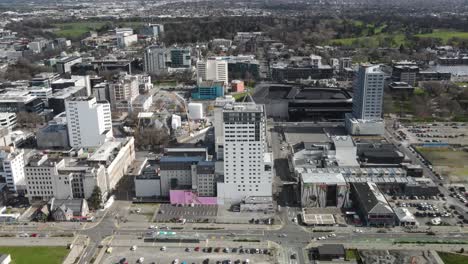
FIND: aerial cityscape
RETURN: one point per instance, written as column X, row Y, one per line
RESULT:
column 234, row 131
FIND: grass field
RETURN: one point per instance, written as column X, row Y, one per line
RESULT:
column 372, row 41
column 452, row 258
column 444, row 35
column 76, row 29
column 38, row 255
column 449, row 161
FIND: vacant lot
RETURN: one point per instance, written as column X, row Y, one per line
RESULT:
column 450, row 162
column 451, row 258
column 39, row 255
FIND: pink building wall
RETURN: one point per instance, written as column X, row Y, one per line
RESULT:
column 188, row 197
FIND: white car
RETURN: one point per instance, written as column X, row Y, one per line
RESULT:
column 24, row 235
column 141, row 259
column 133, row 248
column 163, row 248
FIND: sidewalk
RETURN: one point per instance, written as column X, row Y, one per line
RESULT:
column 79, row 244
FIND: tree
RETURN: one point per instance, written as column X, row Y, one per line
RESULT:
column 95, row 199
column 27, row 119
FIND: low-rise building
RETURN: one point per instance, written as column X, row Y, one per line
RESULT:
column 12, row 169
column 8, row 120
column 404, row 217
column 20, row 101
column 371, row 205
column 116, row 156
column 61, row 178
column 148, row 183
column 63, row 65
column 53, row 136
column 208, row 90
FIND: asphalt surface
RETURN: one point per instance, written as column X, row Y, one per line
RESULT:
column 390, row 135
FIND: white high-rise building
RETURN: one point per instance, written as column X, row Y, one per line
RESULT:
column 213, row 69
column 247, row 164
column 155, row 59
column 366, row 118
column 12, row 170
column 88, row 121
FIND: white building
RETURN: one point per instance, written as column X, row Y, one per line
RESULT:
column 142, row 103
column 125, row 40
column 152, row 30
column 195, row 111
column 8, row 120
column 43, row 93
column 247, row 165
column 116, row 156
column 63, row 179
column 12, row 170
column 366, row 118
column 176, row 122
column 89, row 122
column 43, row 181
column 123, row 92
column 155, row 59
column 213, row 69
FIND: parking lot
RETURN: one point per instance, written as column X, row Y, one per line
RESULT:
column 421, row 133
column 198, row 255
column 426, row 210
column 195, row 213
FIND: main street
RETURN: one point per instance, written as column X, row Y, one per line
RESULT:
column 292, row 237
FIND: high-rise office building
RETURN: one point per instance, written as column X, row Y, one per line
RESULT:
column 88, row 121
column 156, row 59
column 213, row 69
column 368, row 93
column 247, row 165
column 366, row 117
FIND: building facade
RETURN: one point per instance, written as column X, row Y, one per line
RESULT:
column 366, row 117
column 156, row 59
column 88, row 121
column 247, row 165
column 213, row 69
column 12, row 170
column 180, row 58
column 123, row 91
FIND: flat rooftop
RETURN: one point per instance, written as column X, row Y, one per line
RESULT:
column 329, row 178
column 296, row 135
column 311, row 218
column 243, row 107
column 105, row 150
column 268, row 92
